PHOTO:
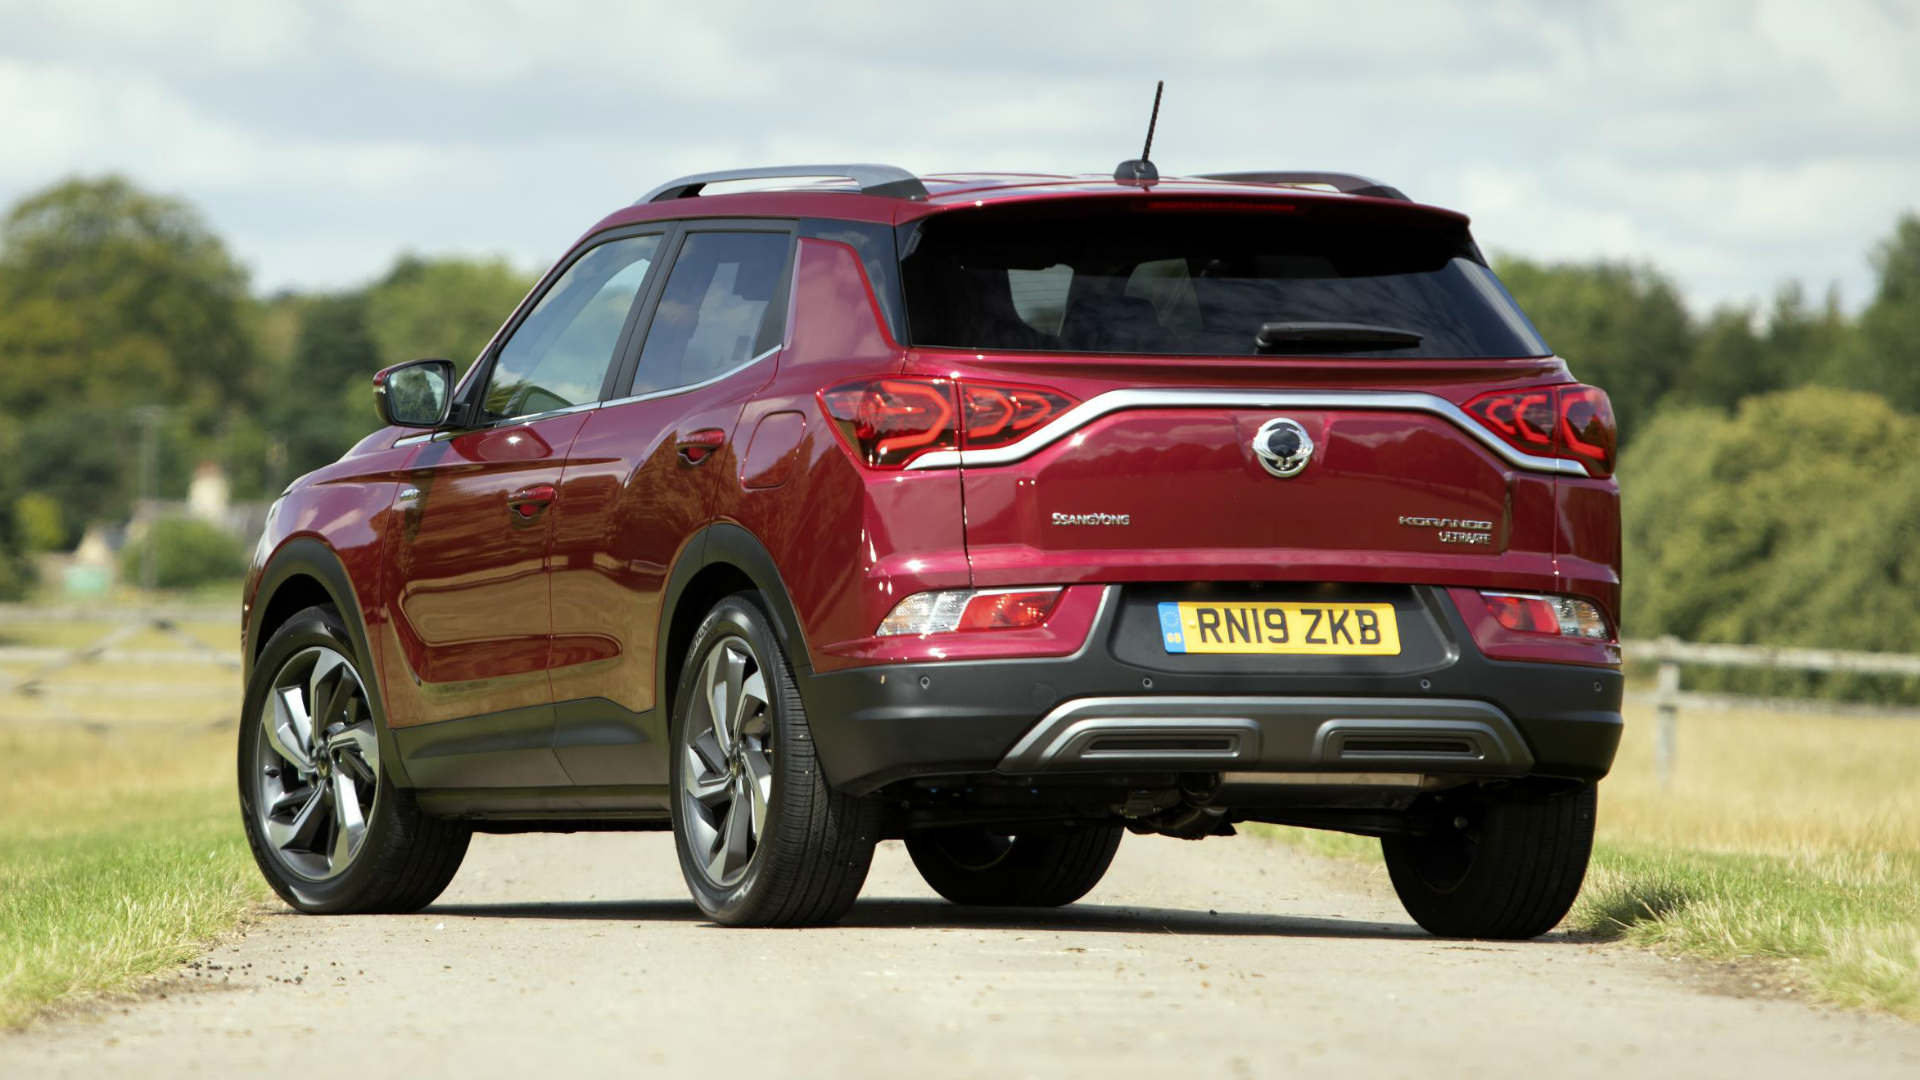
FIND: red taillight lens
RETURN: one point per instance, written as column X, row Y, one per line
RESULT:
column 1008, row 610
column 889, row 422
column 1573, row 422
column 1533, row 613
column 1587, row 430
column 997, row 415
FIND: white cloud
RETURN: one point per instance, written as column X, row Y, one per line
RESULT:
column 1736, row 145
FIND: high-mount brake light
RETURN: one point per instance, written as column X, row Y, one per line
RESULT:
column 887, row 422
column 1573, row 422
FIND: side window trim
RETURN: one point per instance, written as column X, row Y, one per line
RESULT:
column 621, row 388
column 474, row 387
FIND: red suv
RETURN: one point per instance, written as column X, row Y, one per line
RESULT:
column 1004, row 514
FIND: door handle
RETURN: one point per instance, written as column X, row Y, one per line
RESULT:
column 698, row 446
column 529, row 501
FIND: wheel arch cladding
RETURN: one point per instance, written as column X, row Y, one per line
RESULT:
column 722, row 560
column 306, row 573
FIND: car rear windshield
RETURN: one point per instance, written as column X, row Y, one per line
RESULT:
column 1208, row 283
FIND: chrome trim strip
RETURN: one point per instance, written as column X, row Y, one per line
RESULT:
column 703, row 383
column 1287, row 730
column 1114, row 401
column 515, row 421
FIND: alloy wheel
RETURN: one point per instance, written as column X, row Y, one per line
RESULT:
column 317, row 764
column 726, row 768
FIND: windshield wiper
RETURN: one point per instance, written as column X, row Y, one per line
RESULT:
column 1331, row 337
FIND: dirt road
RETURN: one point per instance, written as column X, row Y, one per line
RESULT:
column 572, row 956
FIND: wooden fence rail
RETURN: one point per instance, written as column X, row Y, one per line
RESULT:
column 1670, row 653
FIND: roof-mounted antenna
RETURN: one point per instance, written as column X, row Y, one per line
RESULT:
column 1141, row 170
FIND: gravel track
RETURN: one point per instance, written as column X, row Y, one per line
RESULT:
column 560, row 956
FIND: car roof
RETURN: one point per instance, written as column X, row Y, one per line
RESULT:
column 946, row 191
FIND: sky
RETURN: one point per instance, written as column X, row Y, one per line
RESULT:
column 1736, row 146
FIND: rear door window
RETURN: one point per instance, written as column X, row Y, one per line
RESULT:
column 723, row 304
column 1204, row 283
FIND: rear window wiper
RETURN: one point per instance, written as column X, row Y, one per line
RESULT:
column 1331, row 337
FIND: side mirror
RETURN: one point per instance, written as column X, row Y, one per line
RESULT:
column 415, row 394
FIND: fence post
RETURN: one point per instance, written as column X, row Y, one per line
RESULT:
column 1666, row 696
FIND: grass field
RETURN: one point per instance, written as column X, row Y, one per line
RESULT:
column 120, row 856
column 1784, row 837
column 120, row 847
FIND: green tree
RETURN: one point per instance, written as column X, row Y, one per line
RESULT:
column 16, row 572
column 1885, row 355
column 112, row 297
column 331, row 344
column 1791, row 522
column 447, row 307
column 333, row 353
column 1730, row 361
column 1620, row 327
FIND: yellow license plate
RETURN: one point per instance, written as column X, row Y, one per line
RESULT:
column 1305, row 628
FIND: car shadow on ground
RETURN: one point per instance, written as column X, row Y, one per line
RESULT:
column 900, row 913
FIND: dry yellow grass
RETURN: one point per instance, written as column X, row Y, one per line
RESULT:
column 1758, row 783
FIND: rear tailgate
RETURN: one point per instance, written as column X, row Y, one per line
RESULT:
column 1178, row 349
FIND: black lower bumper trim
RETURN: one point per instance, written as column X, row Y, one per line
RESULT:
column 873, row 726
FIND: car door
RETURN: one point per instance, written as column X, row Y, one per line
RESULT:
column 471, row 701
column 645, row 473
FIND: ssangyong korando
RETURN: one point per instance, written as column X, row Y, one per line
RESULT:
column 1002, row 514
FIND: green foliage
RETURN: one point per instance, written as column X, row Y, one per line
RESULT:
column 1885, row 356
column 330, row 345
column 119, row 297
column 441, row 307
column 112, row 298
column 36, row 518
column 314, row 414
column 1792, row 522
column 1620, row 327
column 16, row 572
column 185, row 553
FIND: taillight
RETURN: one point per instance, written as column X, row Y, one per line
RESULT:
column 951, row 610
column 997, row 415
column 1573, row 422
column 1534, row 613
column 889, row 422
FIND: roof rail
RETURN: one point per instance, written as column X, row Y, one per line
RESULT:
column 1346, row 183
column 884, row 180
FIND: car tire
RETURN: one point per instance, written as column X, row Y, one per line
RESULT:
column 297, row 779
column 763, row 839
column 973, row 865
column 1506, row 868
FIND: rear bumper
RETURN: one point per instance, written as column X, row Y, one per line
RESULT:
column 1459, row 714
